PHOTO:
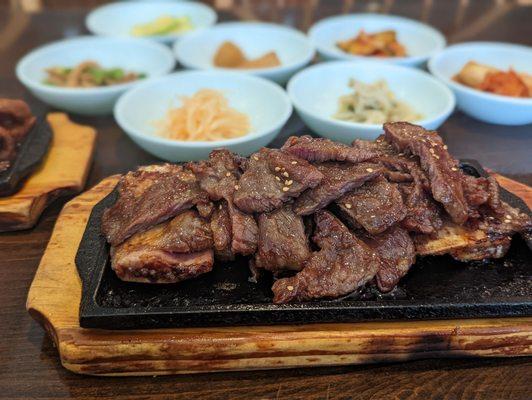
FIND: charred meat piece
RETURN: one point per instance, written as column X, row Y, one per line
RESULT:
column 222, row 232
column 271, row 178
column 376, row 205
column 423, row 214
column 149, row 196
column 158, row 266
column 187, row 232
column 442, row 170
column 219, row 177
column 16, row 121
column 482, row 192
column 488, row 237
column 16, row 117
column 321, row 149
column 244, row 231
column 8, row 148
column 397, row 252
column 343, row 264
column 169, row 252
column 283, row 243
column 338, row 179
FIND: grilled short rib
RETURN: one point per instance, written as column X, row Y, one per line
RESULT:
column 283, row 242
column 375, row 204
column 16, row 120
column 219, row 177
column 170, row 252
column 148, row 196
column 338, row 179
column 273, row 177
column 343, row 264
column 321, row 150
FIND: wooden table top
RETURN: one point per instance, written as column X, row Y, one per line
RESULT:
column 29, row 366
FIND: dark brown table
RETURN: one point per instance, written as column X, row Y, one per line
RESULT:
column 29, row 366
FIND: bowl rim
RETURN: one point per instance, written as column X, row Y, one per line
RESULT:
column 133, row 131
column 450, row 97
column 310, row 47
column 463, row 89
column 34, row 84
column 439, row 37
column 89, row 19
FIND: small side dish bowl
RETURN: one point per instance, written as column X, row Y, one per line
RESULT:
column 487, row 107
column 139, row 110
column 136, row 55
column 118, row 19
column 420, row 40
column 315, row 94
column 293, row 48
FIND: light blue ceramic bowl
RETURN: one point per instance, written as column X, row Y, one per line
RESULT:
column 315, row 92
column 421, row 40
column 117, row 19
column 293, row 48
column 137, row 55
column 138, row 111
column 484, row 106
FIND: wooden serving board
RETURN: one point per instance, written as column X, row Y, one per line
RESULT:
column 55, row 295
column 63, row 171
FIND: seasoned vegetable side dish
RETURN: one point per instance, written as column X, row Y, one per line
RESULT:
column 164, row 25
column 324, row 218
column 89, row 74
column 16, row 120
column 373, row 103
column 379, row 44
column 229, row 55
column 205, row 116
column 493, row 80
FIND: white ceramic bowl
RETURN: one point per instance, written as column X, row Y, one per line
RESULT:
column 138, row 111
column 315, row 92
column 421, row 41
column 197, row 50
column 488, row 107
column 137, row 55
column 117, row 19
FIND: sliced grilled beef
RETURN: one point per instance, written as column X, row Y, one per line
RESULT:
column 397, row 252
column 219, row 177
column 16, row 117
column 338, row 179
column 320, row 150
column 423, row 215
column 343, row 264
column 149, row 196
column 244, row 231
column 167, row 253
column 16, row 120
column 158, row 266
column 488, row 237
column 222, row 232
column 283, row 243
column 441, row 168
column 271, row 178
column 376, row 205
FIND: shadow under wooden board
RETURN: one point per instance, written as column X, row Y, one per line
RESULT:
column 63, row 171
column 55, row 296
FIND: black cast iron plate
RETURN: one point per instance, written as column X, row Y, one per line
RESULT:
column 435, row 288
column 29, row 156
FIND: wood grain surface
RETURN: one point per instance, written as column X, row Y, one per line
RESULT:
column 55, row 295
column 63, row 171
column 29, row 363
